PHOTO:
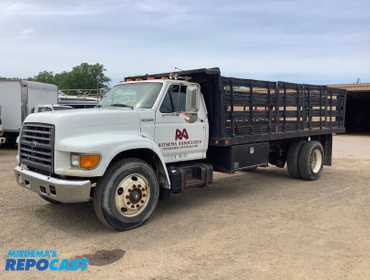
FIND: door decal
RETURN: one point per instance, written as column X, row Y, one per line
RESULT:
column 181, row 134
column 182, row 141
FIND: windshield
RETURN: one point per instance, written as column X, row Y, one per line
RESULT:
column 135, row 95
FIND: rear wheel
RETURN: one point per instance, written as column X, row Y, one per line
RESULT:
column 127, row 195
column 311, row 160
column 293, row 157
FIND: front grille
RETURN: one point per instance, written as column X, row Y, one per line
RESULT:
column 37, row 147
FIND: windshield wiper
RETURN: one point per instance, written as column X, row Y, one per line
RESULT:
column 122, row 105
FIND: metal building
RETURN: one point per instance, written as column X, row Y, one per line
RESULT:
column 358, row 107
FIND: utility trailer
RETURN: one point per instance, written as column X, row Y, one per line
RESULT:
column 18, row 98
column 253, row 122
column 159, row 134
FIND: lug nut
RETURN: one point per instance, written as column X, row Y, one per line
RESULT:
column 120, row 191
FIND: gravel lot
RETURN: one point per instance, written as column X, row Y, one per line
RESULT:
column 249, row 225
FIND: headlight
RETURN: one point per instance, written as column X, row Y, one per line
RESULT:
column 82, row 161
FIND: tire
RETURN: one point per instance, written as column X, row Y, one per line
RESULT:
column 311, row 160
column 127, row 195
column 293, row 157
column 50, row 200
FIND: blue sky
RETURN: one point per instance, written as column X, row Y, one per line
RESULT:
column 325, row 41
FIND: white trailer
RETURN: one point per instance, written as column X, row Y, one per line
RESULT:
column 18, row 98
column 2, row 139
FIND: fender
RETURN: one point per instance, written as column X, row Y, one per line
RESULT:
column 108, row 145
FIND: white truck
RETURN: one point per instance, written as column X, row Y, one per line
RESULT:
column 160, row 134
column 17, row 98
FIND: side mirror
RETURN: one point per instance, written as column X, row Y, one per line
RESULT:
column 192, row 98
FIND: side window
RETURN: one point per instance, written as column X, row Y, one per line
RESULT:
column 176, row 100
column 166, row 106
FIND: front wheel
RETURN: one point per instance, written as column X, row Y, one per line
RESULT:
column 127, row 195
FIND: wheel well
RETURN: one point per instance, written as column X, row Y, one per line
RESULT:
column 148, row 156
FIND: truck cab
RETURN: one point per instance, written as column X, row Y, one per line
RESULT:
column 145, row 125
column 160, row 134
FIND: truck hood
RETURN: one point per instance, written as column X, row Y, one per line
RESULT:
column 69, row 123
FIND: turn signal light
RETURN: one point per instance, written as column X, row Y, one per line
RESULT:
column 89, row 161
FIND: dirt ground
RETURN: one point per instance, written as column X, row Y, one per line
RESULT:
column 249, row 225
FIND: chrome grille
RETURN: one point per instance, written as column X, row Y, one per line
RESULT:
column 37, row 146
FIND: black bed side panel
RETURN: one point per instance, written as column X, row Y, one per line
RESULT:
column 265, row 111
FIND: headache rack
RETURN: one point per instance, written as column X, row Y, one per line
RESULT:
column 245, row 111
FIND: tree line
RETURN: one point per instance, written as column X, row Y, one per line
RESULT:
column 83, row 76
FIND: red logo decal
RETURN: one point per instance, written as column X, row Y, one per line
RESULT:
column 182, row 134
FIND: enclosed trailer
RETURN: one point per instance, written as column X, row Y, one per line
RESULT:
column 17, row 98
column 2, row 139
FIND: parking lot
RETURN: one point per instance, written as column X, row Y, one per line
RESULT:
column 249, row 225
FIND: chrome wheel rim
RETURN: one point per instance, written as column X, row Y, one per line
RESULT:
column 316, row 161
column 132, row 195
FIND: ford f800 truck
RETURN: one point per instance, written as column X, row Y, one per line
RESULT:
column 158, row 134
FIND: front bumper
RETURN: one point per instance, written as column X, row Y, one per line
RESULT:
column 66, row 191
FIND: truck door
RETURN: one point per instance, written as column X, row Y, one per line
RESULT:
column 181, row 124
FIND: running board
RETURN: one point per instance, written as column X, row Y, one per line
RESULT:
column 189, row 175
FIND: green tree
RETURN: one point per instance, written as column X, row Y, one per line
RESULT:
column 83, row 76
column 8, row 79
column 45, row 77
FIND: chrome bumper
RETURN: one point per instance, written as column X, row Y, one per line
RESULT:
column 66, row 191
